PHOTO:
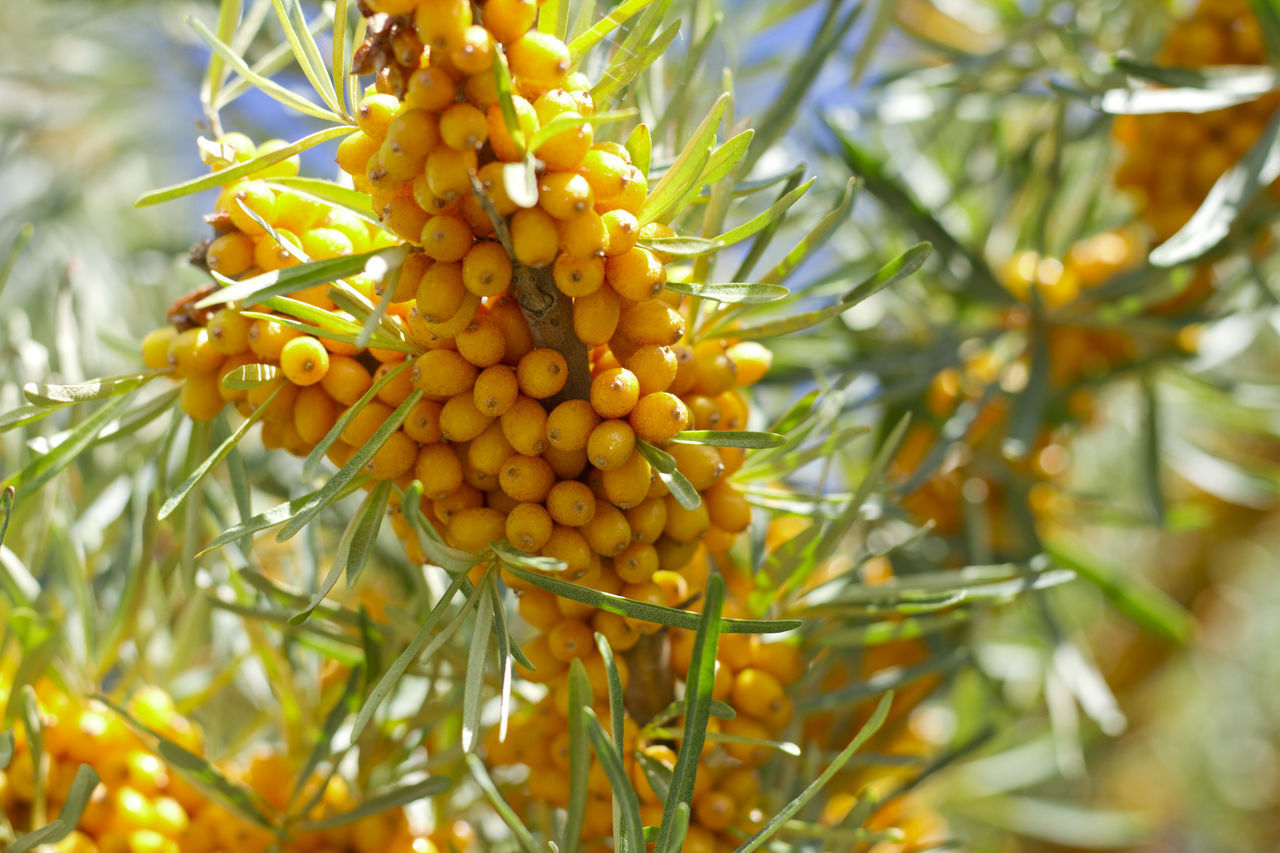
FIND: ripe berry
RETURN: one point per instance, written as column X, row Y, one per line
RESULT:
column 155, row 347
column 481, row 343
column 304, row 360
column 565, row 195
column 571, row 639
column 636, row 275
column 571, row 503
column 496, row 390
column 533, row 237
column 446, row 238
column 460, row 420
column 596, row 316
column 576, row 277
column 607, row 532
column 199, row 397
column 486, row 269
column 570, row 424
column 526, row 478
column 542, row 373
column 623, row 230
column 230, row 254
column 657, row 417
column 430, row 89
column 539, row 59
column 528, row 528
column 438, row 469
column 191, row 353
column 346, row 380
column 610, row 444
column 629, row 483
column 525, row 426
column 614, row 392
column 394, row 458
column 647, row 519
column 443, row 373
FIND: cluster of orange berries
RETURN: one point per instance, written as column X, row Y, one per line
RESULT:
column 1079, row 350
column 504, row 447
column 1173, row 159
column 140, row 806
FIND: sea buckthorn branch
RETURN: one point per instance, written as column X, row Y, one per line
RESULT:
column 547, row 311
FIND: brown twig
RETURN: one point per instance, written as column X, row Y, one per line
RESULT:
column 548, row 312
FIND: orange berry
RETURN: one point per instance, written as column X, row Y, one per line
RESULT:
column 727, row 507
column 534, row 238
column 508, row 20
column 636, row 275
column 623, row 230
column 473, row 529
column 487, row 451
column 526, row 478
column 496, row 390
column 525, row 426
column 314, row 414
column 191, row 353
column 366, row 422
column 346, row 379
column 304, row 360
column 446, row 238
column 610, row 444
column 375, row 113
column 570, row 547
column 537, row 606
column 431, row 89
column 654, row 366
column 565, row 195
column 463, row 127
column 629, row 483
column 394, row 458
column 539, row 59
column 200, row 398
column 528, row 528
column 657, row 417
column 686, row 525
column 614, row 393
column 155, row 348
column 575, row 277
column 230, row 254
column 637, row 563
column 596, row 316
column 504, row 147
column 569, row 424
column 481, row 343
column 571, row 639
column 486, row 269
column 647, row 519
column 443, row 373
column 460, row 420
column 542, row 373
column 607, row 532
column 584, row 236
column 438, row 469
column 651, row 322
column 422, row 424
column 571, row 503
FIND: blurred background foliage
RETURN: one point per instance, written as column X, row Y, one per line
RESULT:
column 959, row 121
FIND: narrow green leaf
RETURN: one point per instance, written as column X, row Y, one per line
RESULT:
column 640, row 146
column 268, row 86
column 687, row 167
column 68, row 818
column 580, row 697
column 226, row 176
column 250, row 376
column 382, row 803
column 793, row 808
column 816, row 238
column 481, row 636
column 24, row 415
column 332, row 194
column 758, row 223
column 1139, row 600
column 682, row 247
column 215, row 74
column 95, row 389
column 20, row 243
column 628, row 66
column 44, row 468
column 354, row 547
column 332, row 490
column 340, row 55
column 509, row 555
column 881, row 23
column 317, row 455
column 730, row 438
column 502, row 76
column 561, row 123
column 524, row 838
column 552, row 18
column 6, row 748
column 617, row 701
column 288, row 280
column 420, row 642
column 306, row 51
column 623, row 790
column 678, row 484
column 450, row 559
column 276, row 515
column 1226, row 202
column 734, row 293
column 724, row 158
column 179, row 494
column 656, row 613
column 697, row 707
column 584, row 42
column 896, row 270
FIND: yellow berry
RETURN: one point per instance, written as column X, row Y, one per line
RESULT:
column 443, row 373
column 496, row 390
column 192, row 353
column 525, row 425
column 486, row 269
column 230, row 254
column 657, row 417
column 533, row 237
column 571, row 503
column 446, row 238
column 200, row 398
column 539, row 59
column 575, row 277
column 460, row 420
column 526, row 478
column 628, row 484
column 346, row 380
column 528, row 528
column 155, row 347
column 542, row 373
column 304, row 360
column 570, row 424
column 438, row 469
column 610, row 444
column 614, row 392
column 596, row 316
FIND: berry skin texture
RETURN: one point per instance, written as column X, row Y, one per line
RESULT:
column 652, row 322
column 439, row 469
column 539, row 59
column 496, row 390
column 614, row 392
column 542, row 373
column 508, row 20
column 199, row 397
column 534, row 237
column 608, row 532
column 394, row 459
column 304, row 361
column 654, row 366
column 657, row 417
column 525, row 426
column 443, row 373
column 629, row 483
column 229, row 331
column 486, row 269
column 230, row 255
column 571, row 503
column 528, row 528
column 481, row 343
column 576, row 277
column 636, row 275
column 647, row 519
column 346, row 380
column 473, row 529
column 596, row 316
column 569, row 425
column 446, row 238
column 460, row 420
column 610, row 444
column 565, row 195
column 155, row 348
column 526, row 478
column 191, row 353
